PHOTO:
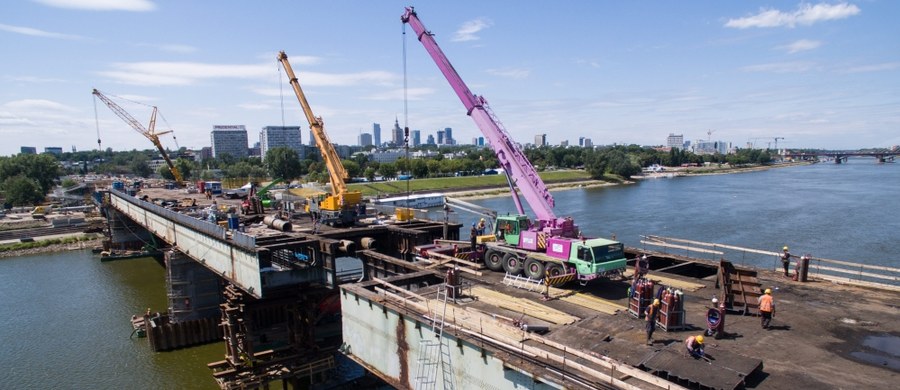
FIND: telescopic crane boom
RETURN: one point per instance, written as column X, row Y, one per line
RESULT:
column 518, row 169
column 341, row 199
column 149, row 132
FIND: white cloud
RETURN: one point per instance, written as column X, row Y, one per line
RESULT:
column 189, row 73
column 468, row 30
column 34, row 79
column 36, row 33
column 102, row 5
column 38, row 106
column 801, row 45
column 780, row 67
column 805, row 15
column 255, row 106
column 875, row 67
column 510, row 73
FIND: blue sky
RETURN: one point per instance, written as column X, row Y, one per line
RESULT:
column 821, row 74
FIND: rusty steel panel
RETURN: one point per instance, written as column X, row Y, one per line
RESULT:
column 388, row 343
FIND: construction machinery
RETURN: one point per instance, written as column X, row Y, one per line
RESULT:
column 547, row 245
column 258, row 200
column 341, row 206
column 149, row 131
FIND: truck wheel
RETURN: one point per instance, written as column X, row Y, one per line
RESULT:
column 494, row 260
column 555, row 269
column 534, row 268
column 512, row 264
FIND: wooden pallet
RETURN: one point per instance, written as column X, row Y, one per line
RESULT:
column 740, row 288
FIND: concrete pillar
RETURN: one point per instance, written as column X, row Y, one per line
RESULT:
column 193, row 290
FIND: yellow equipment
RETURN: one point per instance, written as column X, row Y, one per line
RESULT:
column 341, row 206
column 149, row 132
column 699, row 339
column 768, row 291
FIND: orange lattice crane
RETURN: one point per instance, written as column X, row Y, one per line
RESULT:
column 149, row 132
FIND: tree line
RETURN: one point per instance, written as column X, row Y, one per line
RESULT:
column 26, row 178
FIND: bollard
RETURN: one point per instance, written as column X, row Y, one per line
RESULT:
column 804, row 267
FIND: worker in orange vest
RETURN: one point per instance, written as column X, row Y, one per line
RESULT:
column 766, row 308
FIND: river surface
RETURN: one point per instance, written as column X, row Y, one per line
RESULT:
column 64, row 317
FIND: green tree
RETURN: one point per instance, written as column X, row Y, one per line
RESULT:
column 621, row 163
column 140, row 165
column 283, row 162
column 388, row 170
column 352, row 167
column 595, row 163
column 370, row 174
column 22, row 191
column 165, row 172
column 42, row 168
column 185, row 167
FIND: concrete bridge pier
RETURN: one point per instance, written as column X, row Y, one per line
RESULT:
column 124, row 233
column 194, row 292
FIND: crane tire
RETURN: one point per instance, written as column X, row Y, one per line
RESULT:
column 534, row 268
column 494, row 260
column 512, row 264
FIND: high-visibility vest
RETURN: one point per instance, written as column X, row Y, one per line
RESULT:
column 765, row 303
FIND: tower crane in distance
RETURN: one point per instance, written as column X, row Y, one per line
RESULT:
column 149, row 131
column 341, row 207
column 549, row 245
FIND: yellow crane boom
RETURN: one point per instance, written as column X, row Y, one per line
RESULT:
column 342, row 198
column 148, row 132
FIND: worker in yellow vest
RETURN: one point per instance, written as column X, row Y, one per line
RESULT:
column 766, row 308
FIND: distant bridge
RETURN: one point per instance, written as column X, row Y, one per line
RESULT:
column 841, row 156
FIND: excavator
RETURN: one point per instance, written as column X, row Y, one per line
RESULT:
column 149, row 131
column 341, row 206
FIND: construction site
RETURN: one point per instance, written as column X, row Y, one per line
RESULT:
column 289, row 280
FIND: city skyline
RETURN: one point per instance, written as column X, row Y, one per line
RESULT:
column 820, row 75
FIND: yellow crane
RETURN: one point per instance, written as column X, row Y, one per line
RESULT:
column 149, row 132
column 341, row 206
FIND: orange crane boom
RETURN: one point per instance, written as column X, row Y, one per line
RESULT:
column 342, row 198
column 150, row 132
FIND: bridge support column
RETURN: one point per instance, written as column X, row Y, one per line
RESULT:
column 124, row 233
column 193, row 290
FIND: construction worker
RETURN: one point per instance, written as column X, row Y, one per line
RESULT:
column 480, row 227
column 694, row 345
column 473, row 235
column 766, row 308
column 786, row 260
column 652, row 313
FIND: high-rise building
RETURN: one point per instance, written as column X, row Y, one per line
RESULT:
column 448, row 136
column 675, row 141
column 540, row 140
column 588, row 143
column 416, row 138
column 397, row 134
column 480, row 141
column 229, row 139
column 271, row 137
column 564, row 143
column 365, row 139
column 440, row 137
column 28, row 150
column 312, row 139
column 376, row 134
column 581, row 141
column 430, row 139
column 56, row 150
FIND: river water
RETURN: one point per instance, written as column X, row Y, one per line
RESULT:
column 64, row 317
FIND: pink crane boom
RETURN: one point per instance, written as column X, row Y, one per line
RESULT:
column 519, row 170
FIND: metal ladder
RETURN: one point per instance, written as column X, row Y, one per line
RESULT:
column 435, row 352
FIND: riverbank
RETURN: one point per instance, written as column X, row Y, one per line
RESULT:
column 499, row 191
column 50, row 244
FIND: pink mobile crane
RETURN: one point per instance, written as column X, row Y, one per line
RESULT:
column 547, row 245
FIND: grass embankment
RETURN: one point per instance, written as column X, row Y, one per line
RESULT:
column 445, row 184
column 45, row 243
